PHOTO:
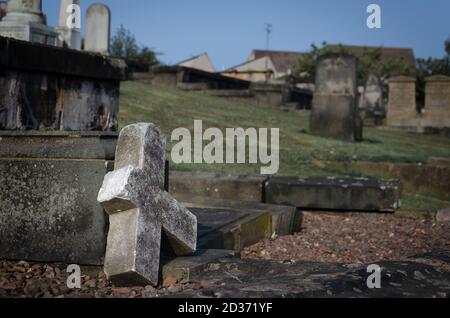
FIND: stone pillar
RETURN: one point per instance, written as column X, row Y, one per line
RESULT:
column 402, row 109
column 334, row 113
column 25, row 21
column 437, row 102
column 69, row 32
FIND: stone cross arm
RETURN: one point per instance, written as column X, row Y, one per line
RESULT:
column 140, row 209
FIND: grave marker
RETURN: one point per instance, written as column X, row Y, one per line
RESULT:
column 140, row 210
column 98, row 29
column 334, row 112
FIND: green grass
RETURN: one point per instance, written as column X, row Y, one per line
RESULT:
column 171, row 108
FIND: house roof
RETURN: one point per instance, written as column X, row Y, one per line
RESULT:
column 191, row 58
column 263, row 64
column 387, row 53
column 282, row 60
column 191, row 62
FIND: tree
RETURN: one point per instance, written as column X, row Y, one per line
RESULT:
column 431, row 66
column 447, row 47
column 370, row 61
column 124, row 45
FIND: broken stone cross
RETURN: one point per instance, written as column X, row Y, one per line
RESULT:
column 140, row 210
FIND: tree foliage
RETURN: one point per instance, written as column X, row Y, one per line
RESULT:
column 431, row 66
column 369, row 62
column 124, row 45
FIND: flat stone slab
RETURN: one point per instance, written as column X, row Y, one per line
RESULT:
column 230, row 229
column 333, row 193
column 182, row 268
column 443, row 216
column 286, row 220
column 216, row 186
column 423, row 276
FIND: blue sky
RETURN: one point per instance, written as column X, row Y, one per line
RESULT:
column 229, row 29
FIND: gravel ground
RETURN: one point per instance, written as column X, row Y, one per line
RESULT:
column 325, row 238
column 354, row 238
column 33, row 280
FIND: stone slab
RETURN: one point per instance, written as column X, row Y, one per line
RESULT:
column 182, row 268
column 57, row 145
column 331, row 193
column 49, row 212
column 21, row 55
column 216, row 186
column 286, row 220
column 443, row 216
column 422, row 276
column 230, row 229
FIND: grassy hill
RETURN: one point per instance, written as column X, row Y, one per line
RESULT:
column 172, row 108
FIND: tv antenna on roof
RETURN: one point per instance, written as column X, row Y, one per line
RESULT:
column 269, row 29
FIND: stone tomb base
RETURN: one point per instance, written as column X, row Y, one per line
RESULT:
column 31, row 32
column 48, row 196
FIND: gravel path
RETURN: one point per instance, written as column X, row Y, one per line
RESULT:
column 354, row 238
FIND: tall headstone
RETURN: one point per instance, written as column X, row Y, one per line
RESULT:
column 402, row 110
column 372, row 103
column 98, row 29
column 69, row 28
column 334, row 113
column 141, row 211
column 437, row 102
column 25, row 21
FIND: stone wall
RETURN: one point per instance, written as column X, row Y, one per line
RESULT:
column 57, row 89
column 401, row 109
column 437, row 102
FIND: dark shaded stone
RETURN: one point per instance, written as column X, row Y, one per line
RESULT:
column 333, row 193
column 182, row 268
column 230, row 229
column 423, row 276
column 286, row 220
column 51, row 88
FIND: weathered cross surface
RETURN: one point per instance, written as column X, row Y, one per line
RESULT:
column 139, row 209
